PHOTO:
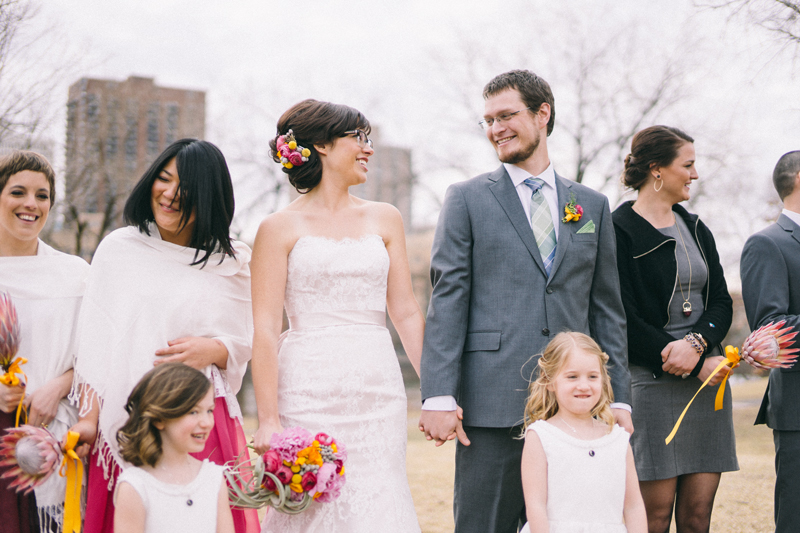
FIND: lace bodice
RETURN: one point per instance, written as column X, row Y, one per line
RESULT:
column 336, row 275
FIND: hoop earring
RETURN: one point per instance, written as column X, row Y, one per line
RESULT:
column 658, row 178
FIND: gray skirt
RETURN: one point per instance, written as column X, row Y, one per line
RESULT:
column 705, row 441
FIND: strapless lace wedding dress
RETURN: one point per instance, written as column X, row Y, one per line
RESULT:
column 338, row 373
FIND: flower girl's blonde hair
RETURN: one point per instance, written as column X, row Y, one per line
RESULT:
column 542, row 403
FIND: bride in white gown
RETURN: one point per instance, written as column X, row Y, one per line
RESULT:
column 337, row 263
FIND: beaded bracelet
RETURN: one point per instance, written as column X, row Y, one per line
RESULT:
column 693, row 340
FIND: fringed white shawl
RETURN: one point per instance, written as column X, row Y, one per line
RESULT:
column 46, row 290
column 142, row 293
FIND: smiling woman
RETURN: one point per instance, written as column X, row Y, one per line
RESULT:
column 46, row 287
column 171, row 287
column 678, row 311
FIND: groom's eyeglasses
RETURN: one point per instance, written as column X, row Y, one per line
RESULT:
column 505, row 117
column 361, row 137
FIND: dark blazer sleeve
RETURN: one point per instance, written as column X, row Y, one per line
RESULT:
column 645, row 341
column 606, row 312
column 716, row 319
column 765, row 283
column 448, row 312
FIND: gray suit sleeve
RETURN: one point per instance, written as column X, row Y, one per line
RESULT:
column 448, row 312
column 765, row 283
column 606, row 313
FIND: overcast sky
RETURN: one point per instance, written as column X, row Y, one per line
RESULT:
column 395, row 59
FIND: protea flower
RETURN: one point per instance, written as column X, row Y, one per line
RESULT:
column 33, row 454
column 768, row 346
column 9, row 331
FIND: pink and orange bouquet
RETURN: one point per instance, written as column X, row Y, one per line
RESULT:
column 297, row 470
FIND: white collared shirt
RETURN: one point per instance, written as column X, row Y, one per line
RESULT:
column 794, row 217
column 518, row 177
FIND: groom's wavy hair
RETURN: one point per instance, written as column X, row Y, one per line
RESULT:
column 533, row 90
column 166, row 392
column 542, row 403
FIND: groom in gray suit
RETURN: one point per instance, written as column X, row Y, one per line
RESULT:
column 770, row 269
column 509, row 271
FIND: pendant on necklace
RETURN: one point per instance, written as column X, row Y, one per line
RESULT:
column 591, row 453
column 189, row 502
column 687, row 308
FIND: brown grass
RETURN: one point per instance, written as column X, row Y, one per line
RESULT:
column 744, row 498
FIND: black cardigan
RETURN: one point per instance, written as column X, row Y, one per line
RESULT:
column 647, row 274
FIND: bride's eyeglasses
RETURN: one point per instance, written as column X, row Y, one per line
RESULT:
column 361, row 137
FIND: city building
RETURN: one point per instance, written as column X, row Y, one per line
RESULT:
column 115, row 130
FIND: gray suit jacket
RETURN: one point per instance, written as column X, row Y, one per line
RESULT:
column 493, row 307
column 770, row 269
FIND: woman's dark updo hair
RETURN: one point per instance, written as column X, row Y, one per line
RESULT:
column 653, row 146
column 314, row 122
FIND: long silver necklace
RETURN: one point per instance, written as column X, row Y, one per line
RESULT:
column 591, row 452
column 687, row 305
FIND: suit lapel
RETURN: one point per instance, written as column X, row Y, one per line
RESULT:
column 563, row 193
column 789, row 225
column 505, row 193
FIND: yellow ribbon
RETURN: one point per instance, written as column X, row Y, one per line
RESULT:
column 731, row 358
column 72, row 468
column 11, row 379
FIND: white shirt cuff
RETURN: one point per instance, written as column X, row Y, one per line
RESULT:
column 440, row 403
column 623, row 406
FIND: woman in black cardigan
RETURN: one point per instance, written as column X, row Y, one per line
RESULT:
column 678, row 310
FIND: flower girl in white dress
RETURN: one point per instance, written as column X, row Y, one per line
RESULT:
column 167, row 490
column 578, row 474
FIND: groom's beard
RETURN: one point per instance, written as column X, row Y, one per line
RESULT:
column 522, row 154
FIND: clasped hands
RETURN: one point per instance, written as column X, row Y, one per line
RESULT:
column 442, row 426
column 679, row 358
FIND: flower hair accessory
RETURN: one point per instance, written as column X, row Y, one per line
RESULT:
column 572, row 211
column 291, row 154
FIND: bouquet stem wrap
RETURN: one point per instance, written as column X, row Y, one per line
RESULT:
column 72, row 468
column 731, row 359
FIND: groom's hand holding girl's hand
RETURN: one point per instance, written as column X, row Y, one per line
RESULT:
column 442, row 426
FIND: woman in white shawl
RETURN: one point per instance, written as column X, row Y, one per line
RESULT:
column 46, row 287
column 170, row 287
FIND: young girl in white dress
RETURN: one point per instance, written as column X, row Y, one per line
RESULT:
column 171, row 415
column 578, row 473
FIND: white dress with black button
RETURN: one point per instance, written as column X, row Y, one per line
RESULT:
column 585, row 480
column 172, row 508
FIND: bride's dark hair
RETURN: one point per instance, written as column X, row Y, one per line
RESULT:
column 314, row 123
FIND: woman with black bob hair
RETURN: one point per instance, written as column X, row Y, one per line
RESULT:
column 678, row 312
column 206, row 197
column 336, row 263
column 170, row 287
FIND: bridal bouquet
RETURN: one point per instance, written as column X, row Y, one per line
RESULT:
column 297, row 470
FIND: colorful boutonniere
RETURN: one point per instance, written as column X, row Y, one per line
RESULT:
column 572, row 211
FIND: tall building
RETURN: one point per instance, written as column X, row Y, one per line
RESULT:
column 115, row 130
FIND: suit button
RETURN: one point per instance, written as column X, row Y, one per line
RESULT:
column 545, row 332
column 549, row 290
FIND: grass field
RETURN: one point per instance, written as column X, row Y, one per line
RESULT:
column 743, row 503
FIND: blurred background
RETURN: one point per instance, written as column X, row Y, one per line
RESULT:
column 102, row 87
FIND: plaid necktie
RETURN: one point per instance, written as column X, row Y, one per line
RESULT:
column 542, row 223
